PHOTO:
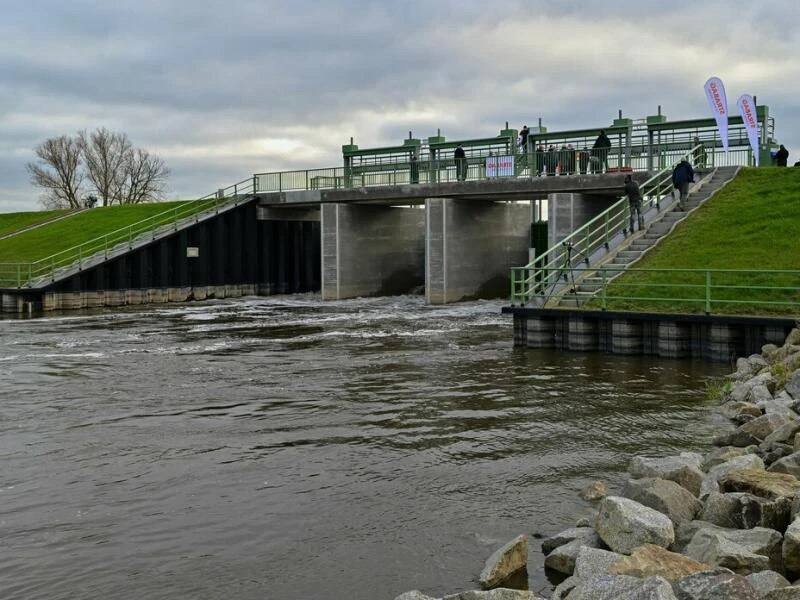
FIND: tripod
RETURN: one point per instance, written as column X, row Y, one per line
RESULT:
column 565, row 271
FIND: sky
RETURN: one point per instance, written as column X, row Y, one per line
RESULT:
column 223, row 89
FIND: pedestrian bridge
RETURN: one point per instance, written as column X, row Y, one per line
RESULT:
column 390, row 220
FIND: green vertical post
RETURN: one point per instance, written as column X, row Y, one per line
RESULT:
column 603, row 304
column 708, row 292
column 605, row 222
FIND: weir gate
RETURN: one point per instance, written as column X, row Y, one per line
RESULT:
column 391, row 220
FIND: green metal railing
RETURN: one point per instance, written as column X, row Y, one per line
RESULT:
column 709, row 291
column 547, row 270
column 18, row 275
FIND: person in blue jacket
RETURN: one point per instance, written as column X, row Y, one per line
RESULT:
column 682, row 176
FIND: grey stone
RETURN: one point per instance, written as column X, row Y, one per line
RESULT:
column 759, row 394
column 562, row 559
column 683, row 469
column 708, row 487
column 761, row 483
column 587, row 534
column 784, row 433
column 594, row 561
column 766, row 581
column 758, row 540
column 733, row 409
column 793, row 339
column 712, row 548
column 795, row 510
column 720, row 584
column 789, row 465
column 504, row 562
column 721, row 455
column 752, row 432
column 665, row 496
column 624, row 524
column 772, row 452
column 791, row 549
column 740, row 510
column 768, row 352
column 414, row 595
column 622, row 587
column 792, row 386
column 497, row 594
column 737, row 463
column 564, row 588
column 786, row 593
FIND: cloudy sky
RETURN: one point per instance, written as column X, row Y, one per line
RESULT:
column 224, row 89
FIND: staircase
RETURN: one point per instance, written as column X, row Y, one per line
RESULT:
column 637, row 244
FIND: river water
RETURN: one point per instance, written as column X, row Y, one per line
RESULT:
column 284, row 448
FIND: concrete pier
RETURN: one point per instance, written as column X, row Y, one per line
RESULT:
column 570, row 211
column 371, row 250
column 471, row 246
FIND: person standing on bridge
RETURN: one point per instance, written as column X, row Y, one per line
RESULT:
column 600, row 149
column 782, row 156
column 523, row 141
column 461, row 163
column 634, row 202
column 682, row 176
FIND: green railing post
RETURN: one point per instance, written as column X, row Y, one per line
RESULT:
column 19, row 275
column 603, row 304
column 708, row 292
column 606, row 230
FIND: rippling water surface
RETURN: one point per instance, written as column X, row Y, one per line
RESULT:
column 291, row 449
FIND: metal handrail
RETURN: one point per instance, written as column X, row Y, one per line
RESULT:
column 19, row 275
column 543, row 273
column 703, row 289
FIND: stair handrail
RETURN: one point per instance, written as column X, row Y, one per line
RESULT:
column 22, row 274
column 541, row 276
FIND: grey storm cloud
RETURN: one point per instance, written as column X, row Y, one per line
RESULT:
column 224, row 89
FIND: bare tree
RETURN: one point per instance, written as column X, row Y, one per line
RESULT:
column 106, row 155
column 58, row 172
column 143, row 178
column 117, row 171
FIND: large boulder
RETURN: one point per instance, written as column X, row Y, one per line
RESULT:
column 752, row 432
column 737, row 463
column 791, row 549
column 414, row 595
column 758, row 540
column 498, row 594
column 624, row 524
column 761, row 483
column 790, row 465
column 712, row 548
column 506, row 561
column 563, row 558
column 594, row 561
column 622, row 587
column 719, row 584
column 721, row 454
column 745, row 511
column 784, row 433
column 766, row 581
column 787, row 593
column 734, row 409
column 683, row 469
column 649, row 560
column 665, row 496
column 586, row 534
column 792, row 386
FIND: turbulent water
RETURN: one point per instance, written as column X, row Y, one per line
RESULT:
column 285, row 448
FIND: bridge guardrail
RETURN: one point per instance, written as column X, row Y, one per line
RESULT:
column 545, row 271
column 709, row 291
column 18, row 275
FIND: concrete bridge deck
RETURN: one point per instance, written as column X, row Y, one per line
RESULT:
column 496, row 189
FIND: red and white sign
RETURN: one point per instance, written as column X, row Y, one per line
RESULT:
column 718, row 102
column 747, row 108
column 499, row 166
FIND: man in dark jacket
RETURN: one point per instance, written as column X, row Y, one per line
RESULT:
column 461, row 163
column 634, row 202
column 782, row 156
column 682, row 176
column 600, row 149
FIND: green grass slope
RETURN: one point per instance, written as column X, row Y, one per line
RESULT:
column 12, row 222
column 751, row 224
column 62, row 235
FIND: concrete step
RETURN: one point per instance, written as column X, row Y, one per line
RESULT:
column 640, row 245
column 628, row 254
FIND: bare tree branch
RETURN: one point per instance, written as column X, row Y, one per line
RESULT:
column 58, row 172
column 145, row 178
column 105, row 154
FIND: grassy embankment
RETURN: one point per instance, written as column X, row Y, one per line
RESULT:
column 12, row 222
column 752, row 224
column 68, row 233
